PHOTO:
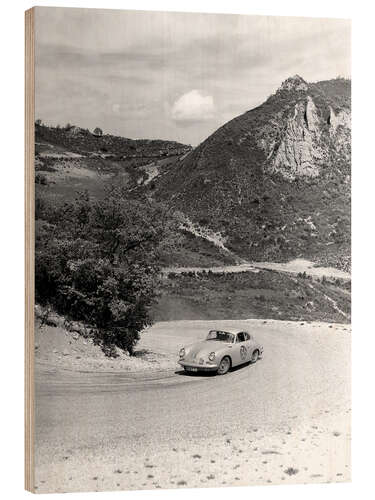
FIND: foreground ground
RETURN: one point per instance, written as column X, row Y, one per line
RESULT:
column 285, row 419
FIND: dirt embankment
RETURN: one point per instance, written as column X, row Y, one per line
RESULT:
column 57, row 348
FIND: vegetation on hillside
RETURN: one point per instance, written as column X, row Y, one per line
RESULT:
column 70, row 159
column 265, row 294
column 82, row 141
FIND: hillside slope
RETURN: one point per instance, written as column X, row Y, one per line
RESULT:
column 274, row 181
column 70, row 159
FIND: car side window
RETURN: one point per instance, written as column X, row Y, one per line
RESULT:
column 241, row 337
column 247, row 336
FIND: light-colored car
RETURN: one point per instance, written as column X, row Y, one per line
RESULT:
column 220, row 352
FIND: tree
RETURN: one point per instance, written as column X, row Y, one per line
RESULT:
column 97, row 262
column 98, row 132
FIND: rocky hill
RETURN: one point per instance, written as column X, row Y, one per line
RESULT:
column 275, row 181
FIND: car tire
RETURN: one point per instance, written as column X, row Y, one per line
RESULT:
column 224, row 366
column 254, row 357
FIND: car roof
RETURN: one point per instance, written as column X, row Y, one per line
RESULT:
column 226, row 331
column 222, row 331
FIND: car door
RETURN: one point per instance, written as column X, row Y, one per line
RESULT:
column 249, row 344
column 240, row 350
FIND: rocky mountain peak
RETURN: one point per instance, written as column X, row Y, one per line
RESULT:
column 295, row 82
column 260, row 178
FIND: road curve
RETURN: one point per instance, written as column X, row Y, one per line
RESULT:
column 167, row 429
column 295, row 266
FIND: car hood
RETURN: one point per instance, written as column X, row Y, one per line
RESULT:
column 204, row 348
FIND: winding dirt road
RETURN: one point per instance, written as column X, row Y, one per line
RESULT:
column 293, row 267
column 284, row 419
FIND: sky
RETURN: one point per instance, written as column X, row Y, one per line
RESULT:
column 173, row 76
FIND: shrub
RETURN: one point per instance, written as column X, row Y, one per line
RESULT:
column 96, row 263
column 98, row 132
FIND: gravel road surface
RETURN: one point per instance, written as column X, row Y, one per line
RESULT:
column 284, row 419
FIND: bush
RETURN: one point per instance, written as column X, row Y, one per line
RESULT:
column 98, row 132
column 96, row 263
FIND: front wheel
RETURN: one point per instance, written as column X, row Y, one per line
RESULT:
column 224, row 366
column 254, row 356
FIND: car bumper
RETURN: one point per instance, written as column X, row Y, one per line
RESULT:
column 197, row 366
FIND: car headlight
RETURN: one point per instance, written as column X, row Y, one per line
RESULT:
column 211, row 356
column 182, row 352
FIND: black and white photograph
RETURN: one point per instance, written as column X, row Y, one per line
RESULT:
column 192, row 250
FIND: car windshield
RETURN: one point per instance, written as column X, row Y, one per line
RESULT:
column 221, row 336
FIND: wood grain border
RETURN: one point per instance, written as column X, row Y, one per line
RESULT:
column 29, row 249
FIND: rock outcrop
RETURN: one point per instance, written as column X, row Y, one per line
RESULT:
column 298, row 152
column 302, row 143
column 341, row 119
column 294, row 83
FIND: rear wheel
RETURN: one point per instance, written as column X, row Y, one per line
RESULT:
column 224, row 366
column 255, row 356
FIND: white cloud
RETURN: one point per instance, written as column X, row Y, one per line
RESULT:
column 193, row 107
